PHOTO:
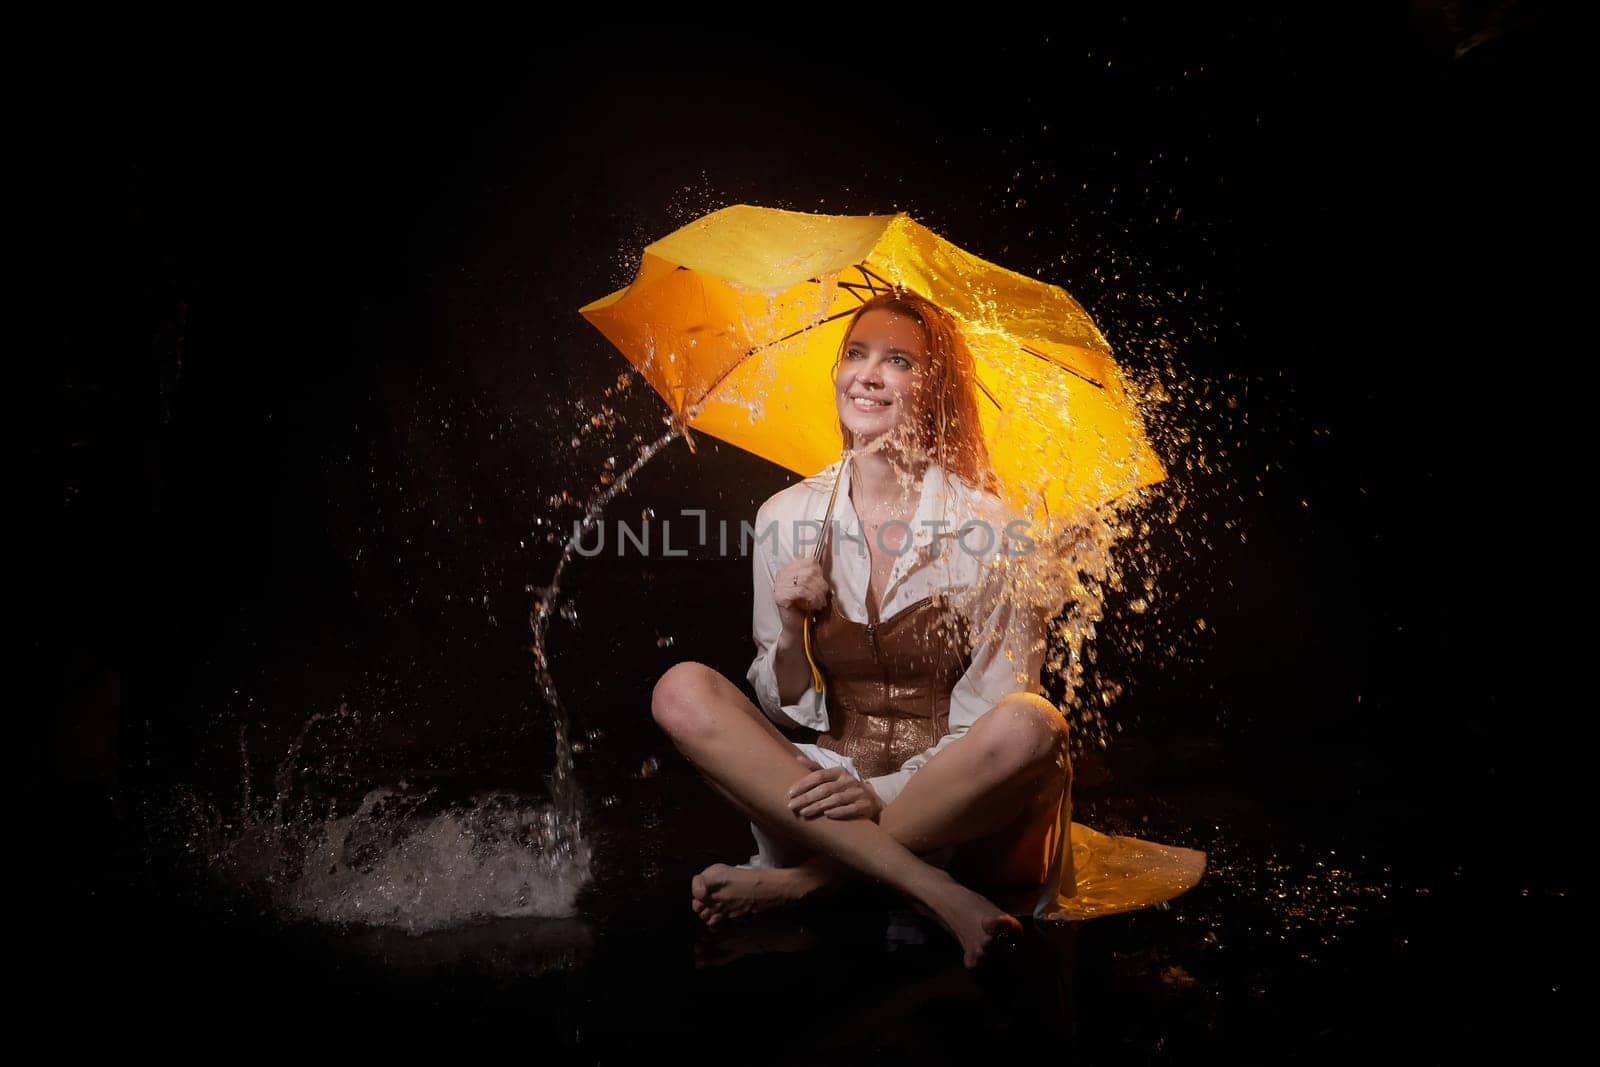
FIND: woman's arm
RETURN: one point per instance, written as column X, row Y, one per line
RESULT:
column 781, row 675
column 792, row 668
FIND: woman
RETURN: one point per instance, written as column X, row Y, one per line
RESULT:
column 937, row 761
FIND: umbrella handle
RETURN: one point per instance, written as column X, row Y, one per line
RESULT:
column 816, row 675
column 816, row 554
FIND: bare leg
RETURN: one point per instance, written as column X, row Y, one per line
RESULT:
column 1014, row 754
column 1009, row 766
column 722, row 892
column 706, row 717
column 1007, row 772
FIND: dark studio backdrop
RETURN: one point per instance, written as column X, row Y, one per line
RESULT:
column 316, row 372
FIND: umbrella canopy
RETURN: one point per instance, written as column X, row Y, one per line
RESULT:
column 737, row 318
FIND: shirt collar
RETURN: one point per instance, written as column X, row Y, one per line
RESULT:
column 936, row 490
column 931, row 507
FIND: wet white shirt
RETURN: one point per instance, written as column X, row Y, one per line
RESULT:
column 961, row 539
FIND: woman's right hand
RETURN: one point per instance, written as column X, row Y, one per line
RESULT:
column 833, row 792
column 799, row 588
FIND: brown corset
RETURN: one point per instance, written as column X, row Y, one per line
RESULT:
column 888, row 682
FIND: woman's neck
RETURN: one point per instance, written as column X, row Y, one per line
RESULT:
column 885, row 481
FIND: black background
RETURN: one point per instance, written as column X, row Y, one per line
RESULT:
column 312, row 365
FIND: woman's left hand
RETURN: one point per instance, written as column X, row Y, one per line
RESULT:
column 833, row 792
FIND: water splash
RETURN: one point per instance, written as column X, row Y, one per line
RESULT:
column 548, row 602
column 403, row 857
column 391, row 863
column 396, row 854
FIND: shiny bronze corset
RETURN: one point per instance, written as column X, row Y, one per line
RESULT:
column 888, row 682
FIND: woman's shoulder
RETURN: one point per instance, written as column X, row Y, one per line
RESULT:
column 803, row 498
column 996, row 530
column 977, row 501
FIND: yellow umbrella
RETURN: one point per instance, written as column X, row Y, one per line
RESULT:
column 736, row 319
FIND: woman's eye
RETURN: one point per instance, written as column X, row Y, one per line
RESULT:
column 853, row 354
column 901, row 361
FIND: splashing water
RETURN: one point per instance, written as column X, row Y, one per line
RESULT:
column 389, row 863
column 403, row 857
column 547, row 602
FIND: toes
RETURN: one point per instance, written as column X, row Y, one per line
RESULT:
column 1002, row 924
column 713, row 878
column 997, row 951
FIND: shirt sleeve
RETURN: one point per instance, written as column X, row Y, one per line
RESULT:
column 1007, row 657
column 811, row 709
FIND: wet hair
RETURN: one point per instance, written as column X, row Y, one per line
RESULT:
column 946, row 425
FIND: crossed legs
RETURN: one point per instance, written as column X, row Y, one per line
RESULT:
column 999, row 776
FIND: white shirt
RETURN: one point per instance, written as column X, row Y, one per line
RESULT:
column 971, row 568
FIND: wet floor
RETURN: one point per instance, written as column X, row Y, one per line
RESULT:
column 1311, row 937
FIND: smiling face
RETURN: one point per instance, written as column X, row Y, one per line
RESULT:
column 878, row 382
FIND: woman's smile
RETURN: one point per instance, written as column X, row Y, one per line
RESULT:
column 867, row 403
column 879, row 373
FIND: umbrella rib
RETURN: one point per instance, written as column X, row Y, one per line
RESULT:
column 855, row 289
column 992, row 398
column 874, row 277
column 1057, row 363
column 786, row 337
column 873, row 282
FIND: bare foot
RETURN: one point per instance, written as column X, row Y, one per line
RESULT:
column 972, row 919
column 720, row 892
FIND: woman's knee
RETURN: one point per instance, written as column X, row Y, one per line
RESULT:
column 681, row 700
column 1028, row 732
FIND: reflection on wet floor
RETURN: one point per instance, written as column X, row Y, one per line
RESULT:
column 503, row 948
column 1308, row 938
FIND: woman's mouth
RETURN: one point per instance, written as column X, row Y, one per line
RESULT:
column 863, row 403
